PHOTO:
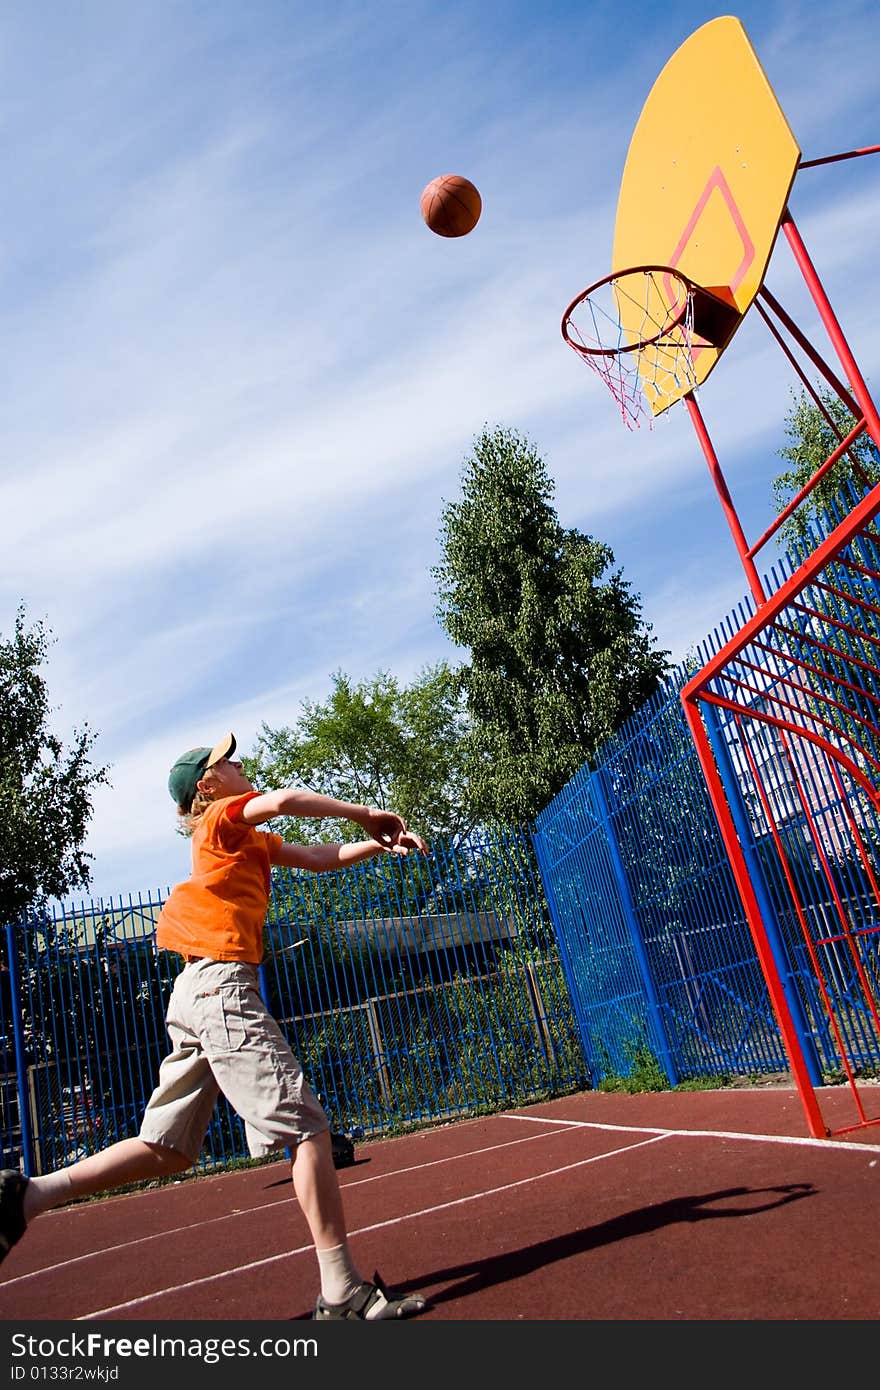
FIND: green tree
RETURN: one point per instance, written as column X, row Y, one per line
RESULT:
column 45, row 789
column 559, row 653
column 814, row 432
column 375, row 742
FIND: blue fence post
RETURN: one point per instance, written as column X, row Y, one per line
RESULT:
column 655, row 1012
column 564, row 952
column 738, row 811
column 24, row 1108
column 263, row 979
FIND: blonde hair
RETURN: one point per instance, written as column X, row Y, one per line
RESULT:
column 200, row 803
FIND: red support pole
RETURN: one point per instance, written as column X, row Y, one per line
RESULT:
column 808, row 487
column 832, row 328
column 733, row 521
column 833, row 158
column 738, row 864
column 806, row 346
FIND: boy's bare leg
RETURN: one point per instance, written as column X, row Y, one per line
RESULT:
column 317, row 1191
column 344, row 1292
column 131, row 1160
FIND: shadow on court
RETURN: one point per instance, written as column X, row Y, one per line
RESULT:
column 476, row 1276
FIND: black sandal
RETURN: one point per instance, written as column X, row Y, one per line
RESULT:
column 372, row 1302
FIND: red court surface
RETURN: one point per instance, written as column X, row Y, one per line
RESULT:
column 710, row 1205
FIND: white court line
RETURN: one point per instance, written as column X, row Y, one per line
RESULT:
column 365, row 1230
column 697, row 1133
column 249, row 1211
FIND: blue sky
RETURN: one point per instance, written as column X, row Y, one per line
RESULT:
column 242, row 376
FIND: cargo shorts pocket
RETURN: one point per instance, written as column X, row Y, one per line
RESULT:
column 224, row 1018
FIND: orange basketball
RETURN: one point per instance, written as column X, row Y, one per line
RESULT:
column 451, row 206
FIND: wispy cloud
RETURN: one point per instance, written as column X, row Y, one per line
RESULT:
column 242, row 376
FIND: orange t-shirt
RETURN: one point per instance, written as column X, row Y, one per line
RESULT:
column 220, row 910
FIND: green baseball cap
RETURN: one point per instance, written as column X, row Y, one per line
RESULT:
column 191, row 766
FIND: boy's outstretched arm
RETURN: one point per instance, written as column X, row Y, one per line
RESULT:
column 322, row 858
column 386, row 827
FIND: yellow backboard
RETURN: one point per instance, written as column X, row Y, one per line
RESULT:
column 708, row 173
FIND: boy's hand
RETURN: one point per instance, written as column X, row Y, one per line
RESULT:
column 384, row 826
column 390, row 830
column 408, row 840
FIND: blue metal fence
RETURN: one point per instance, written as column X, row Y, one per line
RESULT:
column 651, row 929
column 412, row 991
column 656, row 948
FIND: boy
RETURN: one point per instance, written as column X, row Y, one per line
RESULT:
column 222, row 1036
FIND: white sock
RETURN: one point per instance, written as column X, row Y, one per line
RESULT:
column 339, row 1275
column 43, row 1193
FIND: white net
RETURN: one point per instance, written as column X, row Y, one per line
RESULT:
column 635, row 330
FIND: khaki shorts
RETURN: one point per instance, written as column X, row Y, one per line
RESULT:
column 224, row 1039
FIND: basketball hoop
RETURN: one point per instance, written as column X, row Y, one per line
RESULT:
column 639, row 329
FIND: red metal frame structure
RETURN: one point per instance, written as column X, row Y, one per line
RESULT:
column 799, row 688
